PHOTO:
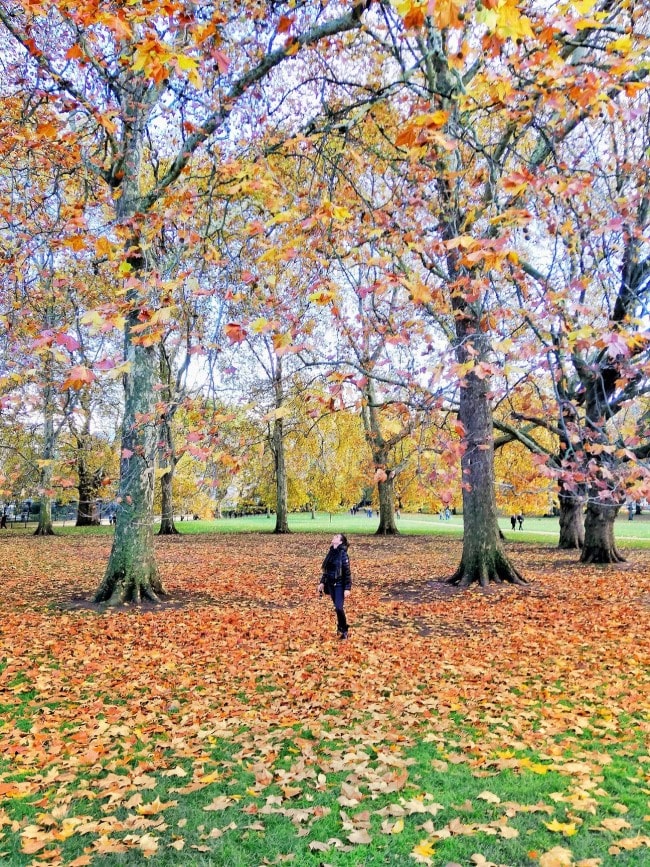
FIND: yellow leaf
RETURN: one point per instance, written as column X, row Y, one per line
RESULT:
column 259, row 325
column 398, row 827
column 535, row 767
column 424, row 849
column 566, row 828
column 623, row 44
column 435, row 118
column 186, row 63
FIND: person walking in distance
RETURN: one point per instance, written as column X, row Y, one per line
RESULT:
column 336, row 580
column 520, row 520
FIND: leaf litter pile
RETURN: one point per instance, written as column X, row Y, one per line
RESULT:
column 229, row 726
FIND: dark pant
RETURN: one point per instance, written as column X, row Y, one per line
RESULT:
column 338, row 598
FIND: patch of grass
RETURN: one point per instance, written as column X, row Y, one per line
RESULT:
column 537, row 530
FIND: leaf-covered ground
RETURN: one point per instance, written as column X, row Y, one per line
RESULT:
column 229, row 727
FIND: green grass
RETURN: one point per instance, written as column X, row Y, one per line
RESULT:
column 459, row 789
column 544, row 531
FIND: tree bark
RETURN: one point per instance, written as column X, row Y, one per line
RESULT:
column 281, row 492
column 483, row 558
column 89, row 486
column 44, row 527
column 387, row 525
column 380, row 450
column 599, row 545
column 167, row 525
column 89, row 482
column 131, row 574
column 281, row 487
column 166, row 452
column 572, row 522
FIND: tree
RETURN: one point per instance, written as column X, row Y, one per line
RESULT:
column 117, row 78
column 476, row 148
column 587, row 314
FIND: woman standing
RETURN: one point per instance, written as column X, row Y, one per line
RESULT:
column 336, row 580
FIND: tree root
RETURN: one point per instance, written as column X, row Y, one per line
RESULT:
column 571, row 545
column 120, row 589
column 169, row 530
column 44, row 531
column 500, row 571
column 600, row 555
column 387, row 531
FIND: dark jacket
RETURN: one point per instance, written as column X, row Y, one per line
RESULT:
column 336, row 569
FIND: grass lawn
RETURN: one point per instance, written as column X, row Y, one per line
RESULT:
column 544, row 531
column 228, row 726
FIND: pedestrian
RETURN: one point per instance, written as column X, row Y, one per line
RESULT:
column 513, row 521
column 520, row 520
column 336, row 580
column 3, row 521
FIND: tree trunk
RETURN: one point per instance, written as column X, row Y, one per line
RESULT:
column 572, row 522
column 387, row 525
column 483, row 558
column 166, row 452
column 131, row 574
column 45, row 527
column 381, row 449
column 89, row 482
column 281, row 495
column 277, row 444
column 89, row 486
column 167, row 457
column 167, row 525
column 599, row 545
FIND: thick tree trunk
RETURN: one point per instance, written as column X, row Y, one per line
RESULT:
column 131, row 574
column 281, row 493
column 45, row 527
column 167, row 525
column 387, row 525
column 572, row 521
column 599, row 546
column 483, row 558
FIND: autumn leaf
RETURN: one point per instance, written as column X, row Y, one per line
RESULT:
column 235, row 332
column 78, row 378
column 360, row 837
column 566, row 828
column 556, row 857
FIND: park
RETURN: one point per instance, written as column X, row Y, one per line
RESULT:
column 324, row 433
column 229, row 726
